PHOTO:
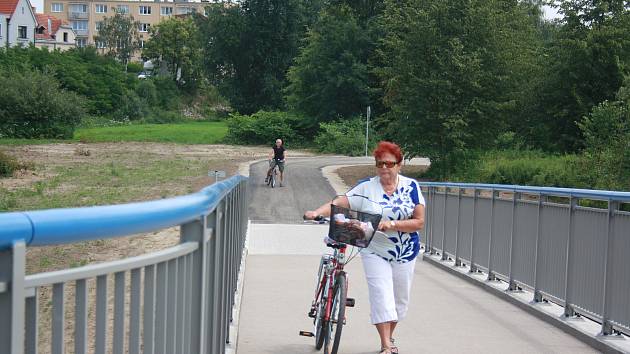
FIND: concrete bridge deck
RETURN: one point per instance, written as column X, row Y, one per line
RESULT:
column 446, row 314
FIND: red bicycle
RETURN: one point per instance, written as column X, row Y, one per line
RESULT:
column 328, row 308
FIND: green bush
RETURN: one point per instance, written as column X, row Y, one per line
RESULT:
column 522, row 168
column 263, row 128
column 147, row 92
column 33, row 105
column 167, row 92
column 7, row 165
column 345, row 137
column 135, row 67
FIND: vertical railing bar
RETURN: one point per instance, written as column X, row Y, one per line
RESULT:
column 148, row 310
column 58, row 319
column 473, row 267
column 171, row 305
column 568, row 307
column 444, row 257
column 119, row 313
column 512, row 283
column 457, row 226
column 490, row 238
column 134, row 312
column 181, row 285
column 607, row 327
column 32, row 321
column 431, row 218
column 537, row 293
column 161, row 307
column 16, row 271
column 189, row 282
column 222, row 278
column 81, row 317
column 100, row 344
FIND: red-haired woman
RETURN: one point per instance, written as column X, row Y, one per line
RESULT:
column 388, row 265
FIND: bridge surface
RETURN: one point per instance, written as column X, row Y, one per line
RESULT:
column 446, row 314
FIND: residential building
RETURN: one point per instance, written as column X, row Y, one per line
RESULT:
column 53, row 33
column 17, row 23
column 85, row 16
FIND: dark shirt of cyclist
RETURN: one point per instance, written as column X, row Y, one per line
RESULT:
column 277, row 157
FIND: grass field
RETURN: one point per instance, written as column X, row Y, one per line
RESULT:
column 184, row 133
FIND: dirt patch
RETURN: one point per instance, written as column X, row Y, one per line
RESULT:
column 352, row 174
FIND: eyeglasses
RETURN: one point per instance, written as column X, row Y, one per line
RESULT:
column 388, row 164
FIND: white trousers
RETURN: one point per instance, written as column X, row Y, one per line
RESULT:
column 389, row 285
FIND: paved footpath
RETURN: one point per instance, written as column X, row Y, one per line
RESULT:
column 446, row 314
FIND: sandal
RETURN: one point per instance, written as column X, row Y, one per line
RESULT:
column 386, row 351
column 393, row 348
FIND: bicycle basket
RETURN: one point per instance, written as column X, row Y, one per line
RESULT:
column 352, row 227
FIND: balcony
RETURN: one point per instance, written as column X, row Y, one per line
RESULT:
column 75, row 15
column 81, row 32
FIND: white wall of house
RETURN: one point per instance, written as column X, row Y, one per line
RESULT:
column 3, row 31
column 23, row 16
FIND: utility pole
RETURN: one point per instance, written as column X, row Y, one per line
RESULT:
column 367, row 130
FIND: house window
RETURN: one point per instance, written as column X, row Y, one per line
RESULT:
column 145, row 10
column 166, row 10
column 100, row 44
column 99, row 25
column 57, row 7
column 81, row 42
column 122, row 9
column 142, row 43
column 65, row 37
column 101, row 9
column 22, row 32
column 82, row 8
column 80, row 25
column 144, row 27
column 0, row 30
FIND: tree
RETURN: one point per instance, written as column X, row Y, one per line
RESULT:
column 249, row 48
column 176, row 42
column 587, row 61
column 119, row 36
column 330, row 76
column 450, row 73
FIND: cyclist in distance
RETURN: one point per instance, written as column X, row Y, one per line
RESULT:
column 276, row 158
column 388, row 269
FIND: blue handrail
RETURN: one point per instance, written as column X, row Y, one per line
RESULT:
column 57, row 226
column 574, row 192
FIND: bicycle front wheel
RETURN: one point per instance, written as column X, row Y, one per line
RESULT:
column 337, row 314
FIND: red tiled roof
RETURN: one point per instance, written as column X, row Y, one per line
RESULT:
column 42, row 21
column 8, row 6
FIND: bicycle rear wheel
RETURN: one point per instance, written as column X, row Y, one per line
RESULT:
column 337, row 315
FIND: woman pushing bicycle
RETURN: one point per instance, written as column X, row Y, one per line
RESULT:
column 389, row 271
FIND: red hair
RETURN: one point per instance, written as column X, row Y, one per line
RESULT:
column 385, row 147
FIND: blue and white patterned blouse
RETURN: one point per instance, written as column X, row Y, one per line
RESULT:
column 403, row 246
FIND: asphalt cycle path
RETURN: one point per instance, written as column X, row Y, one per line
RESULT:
column 304, row 188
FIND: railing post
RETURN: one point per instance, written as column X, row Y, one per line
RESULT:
column 512, row 284
column 427, row 221
column 12, row 301
column 537, row 294
column 444, row 257
column 607, row 327
column 197, row 231
column 459, row 211
column 490, row 274
column 568, row 308
column 473, row 267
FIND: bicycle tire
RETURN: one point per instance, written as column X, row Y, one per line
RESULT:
column 337, row 314
column 321, row 326
column 273, row 180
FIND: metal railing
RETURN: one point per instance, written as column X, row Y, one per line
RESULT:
column 542, row 239
column 178, row 300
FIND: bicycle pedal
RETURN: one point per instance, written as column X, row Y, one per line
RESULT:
column 307, row 334
column 350, row 302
